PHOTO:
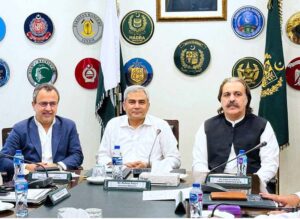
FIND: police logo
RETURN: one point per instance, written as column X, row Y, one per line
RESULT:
column 247, row 22
column 137, row 27
column 192, row 57
column 293, row 73
column 41, row 71
column 250, row 70
column 88, row 28
column 2, row 29
column 87, row 73
column 293, row 28
column 38, row 27
column 138, row 72
column 4, row 72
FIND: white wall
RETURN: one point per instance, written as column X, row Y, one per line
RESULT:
column 173, row 94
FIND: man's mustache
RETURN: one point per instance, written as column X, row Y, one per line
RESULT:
column 232, row 104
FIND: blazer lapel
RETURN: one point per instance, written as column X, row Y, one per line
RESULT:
column 35, row 138
column 56, row 135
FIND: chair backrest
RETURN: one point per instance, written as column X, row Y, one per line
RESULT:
column 174, row 124
column 5, row 133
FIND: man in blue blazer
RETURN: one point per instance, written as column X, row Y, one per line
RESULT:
column 45, row 138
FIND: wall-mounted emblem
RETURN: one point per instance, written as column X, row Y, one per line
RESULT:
column 250, row 70
column 4, row 72
column 293, row 28
column 293, row 73
column 247, row 22
column 88, row 28
column 192, row 57
column 138, row 71
column 41, row 71
column 38, row 27
column 87, row 73
column 137, row 27
column 2, row 29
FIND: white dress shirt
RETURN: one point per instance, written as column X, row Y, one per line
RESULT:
column 269, row 154
column 46, row 143
column 136, row 143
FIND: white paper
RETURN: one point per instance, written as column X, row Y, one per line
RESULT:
column 165, row 194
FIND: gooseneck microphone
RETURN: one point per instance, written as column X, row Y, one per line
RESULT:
column 209, row 186
column 39, row 183
column 158, row 131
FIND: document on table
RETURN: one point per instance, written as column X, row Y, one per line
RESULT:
column 34, row 196
column 165, row 194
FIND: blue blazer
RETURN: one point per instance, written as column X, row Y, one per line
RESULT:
column 25, row 137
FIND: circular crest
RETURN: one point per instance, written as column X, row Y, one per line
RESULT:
column 293, row 28
column 4, row 72
column 41, row 71
column 293, row 73
column 138, row 72
column 192, row 57
column 2, row 29
column 137, row 27
column 38, row 27
column 247, row 22
column 88, row 28
column 87, row 73
column 250, row 70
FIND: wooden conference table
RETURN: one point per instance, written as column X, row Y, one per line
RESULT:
column 118, row 204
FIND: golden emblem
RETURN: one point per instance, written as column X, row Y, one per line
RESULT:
column 87, row 28
column 137, row 75
column 293, row 28
column 270, row 77
column 249, row 74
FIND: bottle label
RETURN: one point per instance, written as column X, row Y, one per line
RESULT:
column 117, row 161
column 193, row 197
column 21, row 186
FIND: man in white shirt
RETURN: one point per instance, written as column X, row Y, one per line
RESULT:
column 220, row 138
column 143, row 139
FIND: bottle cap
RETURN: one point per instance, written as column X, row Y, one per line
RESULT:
column 197, row 185
column 242, row 151
column 20, row 175
column 18, row 152
column 117, row 146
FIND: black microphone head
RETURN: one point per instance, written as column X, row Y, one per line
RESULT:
column 158, row 131
column 264, row 143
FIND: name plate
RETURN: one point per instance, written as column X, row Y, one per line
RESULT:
column 57, row 196
column 58, row 177
column 128, row 185
column 231, row 182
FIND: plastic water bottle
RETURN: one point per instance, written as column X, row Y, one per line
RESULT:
column 18, row 163
column 21, row 190
column 196, row 204
column 242, row 164
column 117, row 162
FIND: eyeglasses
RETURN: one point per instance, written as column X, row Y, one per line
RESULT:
column 45, row 104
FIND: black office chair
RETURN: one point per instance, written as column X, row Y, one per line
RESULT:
column 174, row 124
column 5, row 133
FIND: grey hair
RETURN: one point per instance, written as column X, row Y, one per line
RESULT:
column 135, row 88
column 45, row 86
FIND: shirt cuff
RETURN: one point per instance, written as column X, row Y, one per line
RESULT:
column 62, row 165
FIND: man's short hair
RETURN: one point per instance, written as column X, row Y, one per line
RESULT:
column 47, row 87
column 135, row 88
column 247, row 89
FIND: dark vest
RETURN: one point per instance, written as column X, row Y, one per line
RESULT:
column 245, row 135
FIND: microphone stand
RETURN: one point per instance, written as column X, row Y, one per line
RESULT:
column 39, row 183
column 212, row 186
column 158, row 131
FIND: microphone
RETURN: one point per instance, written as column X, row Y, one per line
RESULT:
column 212, row 187
column 39, row 183
column 158, row 131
